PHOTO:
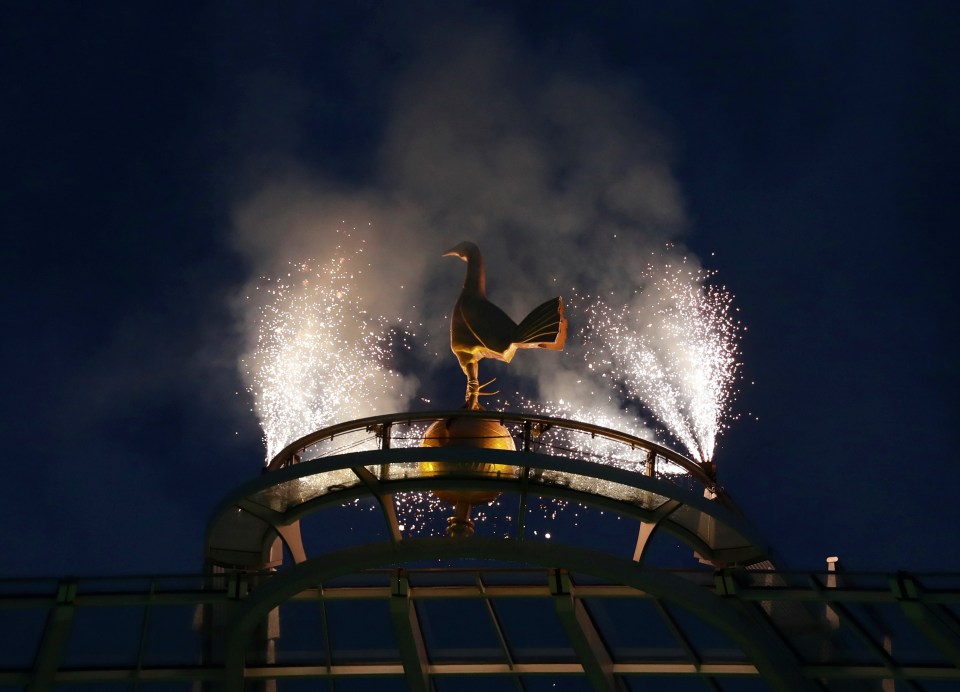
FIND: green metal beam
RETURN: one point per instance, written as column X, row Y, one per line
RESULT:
column 940, row 630
column 583, row 634
column 55, row 636
column 776, row 662
column 406, row 627
column 383, row 498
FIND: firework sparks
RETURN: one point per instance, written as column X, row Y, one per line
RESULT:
column 320, row 356
column 584, row 445
column 675, row 349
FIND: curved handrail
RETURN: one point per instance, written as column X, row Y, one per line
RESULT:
column 381, row 424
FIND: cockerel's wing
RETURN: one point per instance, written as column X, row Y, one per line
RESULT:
column 478, row 324
column 544, row 327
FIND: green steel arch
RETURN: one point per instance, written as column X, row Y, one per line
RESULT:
column 774, row 661
column 245, row 526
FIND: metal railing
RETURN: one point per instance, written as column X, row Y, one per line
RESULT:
column 533, row 432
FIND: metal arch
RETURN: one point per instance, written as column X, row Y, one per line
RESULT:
column 385, row 423
column 523, row 460
column 453, row 454
column 774, row 661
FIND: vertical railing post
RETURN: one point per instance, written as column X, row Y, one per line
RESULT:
column 384, row 432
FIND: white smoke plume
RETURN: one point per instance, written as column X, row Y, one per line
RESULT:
column 565, row 184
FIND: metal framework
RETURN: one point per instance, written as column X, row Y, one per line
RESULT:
column 566, row 461
column 402, row 607
column 894, row 631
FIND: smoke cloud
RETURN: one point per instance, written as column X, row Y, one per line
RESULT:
column 564, row 183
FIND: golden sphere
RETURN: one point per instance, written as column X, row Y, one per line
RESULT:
column 478, row 433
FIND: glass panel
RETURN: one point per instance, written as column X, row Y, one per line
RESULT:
column 667, row 683
column 174, row 636
column 474, row 683
column 953, row 610
column 634, row 630
column 590, row 447
column 844, row 644
column 354, row 441
column 28, row 587
column 301, row 640
column 939, row 582
column 713, row 532
column 899, row 637
column 356, row 684
column 408, row 435
column 361, row 632
column 398, row 471
column 466, row 577
column 458, row 630
column 104, row 636
column 295, row 492
column 303, row 685
column 238, row 536
column 588, row 484
column 804, row 625
column 556, row 683
column 533, row 630
column 710, row 644
column 22, row 631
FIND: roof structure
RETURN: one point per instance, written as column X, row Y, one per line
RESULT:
column 333, row 565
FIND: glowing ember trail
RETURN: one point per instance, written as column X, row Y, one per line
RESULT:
column 675, row 349
column 320, row 356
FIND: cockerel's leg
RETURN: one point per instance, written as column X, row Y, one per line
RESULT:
column 473, row 385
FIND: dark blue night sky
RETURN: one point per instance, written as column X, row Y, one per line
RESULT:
column 814, row 147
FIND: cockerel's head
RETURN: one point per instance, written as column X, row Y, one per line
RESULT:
column 465, row 251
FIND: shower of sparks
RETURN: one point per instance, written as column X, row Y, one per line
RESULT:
column 582, row 445
column 675, row 349
column 320, row 356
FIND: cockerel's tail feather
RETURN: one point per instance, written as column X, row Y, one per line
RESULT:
column 544, row 327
